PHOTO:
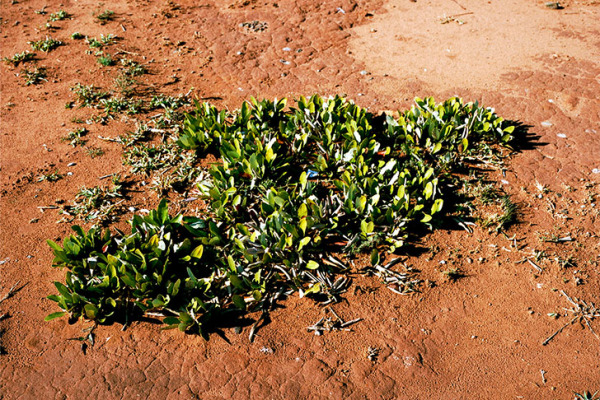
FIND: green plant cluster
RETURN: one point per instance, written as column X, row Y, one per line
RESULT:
column 293, row 186
column 19, row 58
column 45, row 45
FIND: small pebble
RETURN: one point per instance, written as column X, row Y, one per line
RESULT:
column 546, row 124
column 71, row 164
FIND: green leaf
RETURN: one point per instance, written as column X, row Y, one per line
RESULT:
column 62, row 289
column 303, row 224
column 231, row 264
column 176, row 287
column 375, row 258
column 314, row 289
column 302, row 211
column 54, row 246
column 171, row 321
column 312, row 265
column 303, row 179
column 236, row 282
column 163, row 211
column 239, row 302
column 269, row 155
column 54, row 315
column 197, row 252
column 91, row 311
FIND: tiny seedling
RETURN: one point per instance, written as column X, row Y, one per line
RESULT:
column 45, row 45
column 117, row 105
column 75, row 138
column 34, row 76
column 131, row 138
column 132, row 68
column 586, row 396
column 106, row 60
column 58, row 16
column 19, row 58
column 125, row 84
column 97, row 203
column 95, row 43
column 77, row 36
column 569, row 261
column 105, row 16
column 94, row 152
column 87, row 96
column 453, row 274
column 51, row 177
column 508, row 215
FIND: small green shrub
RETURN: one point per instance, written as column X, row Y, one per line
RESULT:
column 291, row 185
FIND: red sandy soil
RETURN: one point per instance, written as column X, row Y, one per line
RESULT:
column 477, row 337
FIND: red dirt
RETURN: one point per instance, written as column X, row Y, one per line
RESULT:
column 478, row 337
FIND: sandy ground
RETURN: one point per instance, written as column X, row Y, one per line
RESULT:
column 478, row 337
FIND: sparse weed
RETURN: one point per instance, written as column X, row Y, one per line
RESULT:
column 106, row 60
column 169, row 102
column 98, row 204
column 94, row 152
column 117, row 105
column 75, row 138
column 125, row 84
column 145, row 159
column 19, row 58
column 132, row 68
column 45, row 45
column 58, row 16
column 34, row 76
column 51, row 177
column 87, row 96
column 131, row 138
column 586, row 396
column 453, row 274
column 100, row 43
column 509, row 213
column 105, row 16
column 171, row 117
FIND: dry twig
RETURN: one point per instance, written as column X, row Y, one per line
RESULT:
column 582, row 312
